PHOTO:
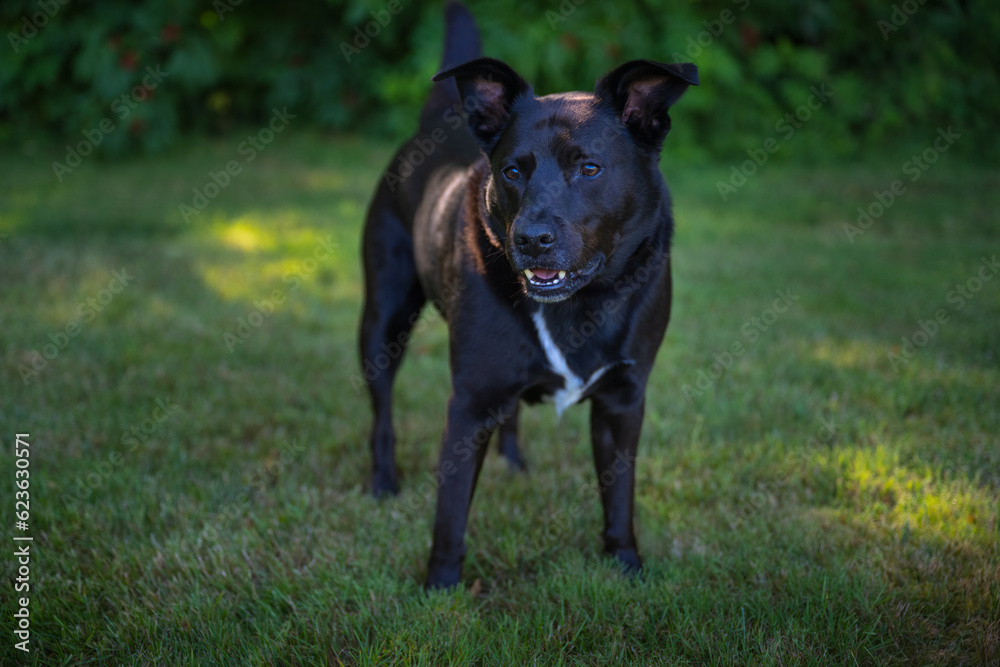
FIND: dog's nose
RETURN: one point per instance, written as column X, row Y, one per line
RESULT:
column 534, row 238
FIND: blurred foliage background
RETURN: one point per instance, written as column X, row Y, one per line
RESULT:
column 897, row 71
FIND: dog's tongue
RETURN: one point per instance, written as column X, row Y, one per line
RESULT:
column 545, row 274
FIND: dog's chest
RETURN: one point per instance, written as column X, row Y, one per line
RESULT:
column 574, row 385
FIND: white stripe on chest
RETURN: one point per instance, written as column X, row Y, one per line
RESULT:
column 573, row 386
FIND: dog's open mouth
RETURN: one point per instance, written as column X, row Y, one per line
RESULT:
column 549, row 285
column 545, row 277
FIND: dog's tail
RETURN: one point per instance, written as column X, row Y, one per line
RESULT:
column 461, row 44
column 461, row 36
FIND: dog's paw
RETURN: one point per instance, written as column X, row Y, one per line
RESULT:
column 442, row 578
column 384, row 486
column 629, row 562
column 511, row 452
column 515, row 462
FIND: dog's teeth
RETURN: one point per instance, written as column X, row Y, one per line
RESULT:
column 528, row 273
column 562, row 274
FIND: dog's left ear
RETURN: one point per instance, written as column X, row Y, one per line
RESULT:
column 488, row 88
column 642, row 92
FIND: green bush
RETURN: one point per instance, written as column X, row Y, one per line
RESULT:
column 894, row 76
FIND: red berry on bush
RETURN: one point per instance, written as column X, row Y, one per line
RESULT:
column 128, row 61
column 170, row 33
column 750, row 36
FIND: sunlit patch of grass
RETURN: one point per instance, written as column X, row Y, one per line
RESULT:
column 923, row 501
column 243, row 235
column 840, row 353
column 281, row 250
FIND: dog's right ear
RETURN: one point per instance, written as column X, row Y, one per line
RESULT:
column 488, row 88
column 642, row 92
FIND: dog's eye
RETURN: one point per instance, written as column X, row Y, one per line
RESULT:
column 589, row 169
column 511, row 173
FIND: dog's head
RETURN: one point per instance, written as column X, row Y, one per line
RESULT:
column 574, row 185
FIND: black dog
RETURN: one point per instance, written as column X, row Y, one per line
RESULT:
column 543, row 237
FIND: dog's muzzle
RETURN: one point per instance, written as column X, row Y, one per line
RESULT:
column 549, row 284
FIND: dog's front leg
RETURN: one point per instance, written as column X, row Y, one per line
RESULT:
column 463, row 449
column 615, row 433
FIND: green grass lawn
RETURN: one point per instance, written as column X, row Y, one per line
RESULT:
column 198, row 469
